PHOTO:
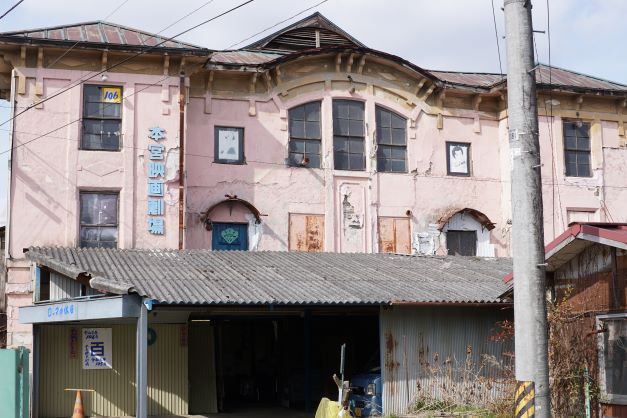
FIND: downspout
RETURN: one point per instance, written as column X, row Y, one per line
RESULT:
column 7, row 250
column 182, row 99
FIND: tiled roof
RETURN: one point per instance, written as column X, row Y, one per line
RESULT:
column 283, row 278
column 97, row 32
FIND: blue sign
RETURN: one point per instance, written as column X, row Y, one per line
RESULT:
column 156, row 185
column 60, row 311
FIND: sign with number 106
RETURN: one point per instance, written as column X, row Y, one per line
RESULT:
column 111, row 95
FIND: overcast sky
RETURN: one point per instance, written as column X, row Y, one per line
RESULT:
column 587, row 36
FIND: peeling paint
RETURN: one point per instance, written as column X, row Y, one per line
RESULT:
column 172, row 164
column 427, row 242
column 255, row 232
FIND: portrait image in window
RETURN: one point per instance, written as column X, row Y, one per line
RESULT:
column 348, row 135
column 577, row 149
column 305, row 135
column 458, row 158
column 102, row 118
column 99, row 219
column 391, row 141
column 229, row 145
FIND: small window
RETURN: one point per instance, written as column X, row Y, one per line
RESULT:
column 305, row 135
column 577, row 149
column 461, row 242
column 348, row 135
column 391, row 141
column 99, row 220
column 229, row 145
column 613, row 359
column 102, row 118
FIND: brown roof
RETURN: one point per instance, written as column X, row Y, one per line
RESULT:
column 243, row 57
column 469, row 79
column 97, row 33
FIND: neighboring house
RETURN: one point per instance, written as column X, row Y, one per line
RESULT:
column 306, row 140
column 587, row 282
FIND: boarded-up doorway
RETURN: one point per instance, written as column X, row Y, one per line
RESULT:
column 394, row 235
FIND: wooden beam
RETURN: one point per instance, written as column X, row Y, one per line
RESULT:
column 166, row 65
column 476, row 101
column 23, row 56
column 103, row 61
column 253, row 83
column 349, row 65
column 40, row 58
column 362, row 63
column 338, row 62
column 268, row 78
column 579, row 102
column 421, row 83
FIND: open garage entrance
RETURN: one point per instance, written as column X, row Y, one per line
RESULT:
column 283, row 359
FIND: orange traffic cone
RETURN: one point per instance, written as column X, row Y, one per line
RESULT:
column 78, row 406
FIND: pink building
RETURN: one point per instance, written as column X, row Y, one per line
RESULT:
column 306, row 140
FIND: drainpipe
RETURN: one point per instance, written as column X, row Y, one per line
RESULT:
column 182, row 99
column 7, row 243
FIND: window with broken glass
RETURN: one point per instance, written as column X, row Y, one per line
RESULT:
column 461, row 242
column 102, row 118
column 577, row 149
column 99, row 220
column 305, row 135
column 348, row 135
column 391, row 141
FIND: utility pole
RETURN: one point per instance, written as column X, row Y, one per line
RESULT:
column 530, row 321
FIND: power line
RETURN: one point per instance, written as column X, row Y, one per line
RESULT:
column 116, row 9
column 144, row 51
column 496, row 34
column 277, row 24
column 11, row 9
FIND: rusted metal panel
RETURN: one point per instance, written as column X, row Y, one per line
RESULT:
column 394, row 235
column 433, row 350
column 614, row 410
column 306, row 232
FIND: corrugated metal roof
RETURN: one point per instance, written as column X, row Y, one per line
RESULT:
column 468, row 79
column 243, row 57
column 97, row 32
column 216, row 277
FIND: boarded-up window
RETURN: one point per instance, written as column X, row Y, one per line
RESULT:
column 581, row 216
column 394, row 236
column 306, row 232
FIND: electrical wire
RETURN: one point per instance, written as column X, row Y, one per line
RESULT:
column 496, row 34
column 143, row 51
column 116, row 9
column 277, row 24
column 11, row 9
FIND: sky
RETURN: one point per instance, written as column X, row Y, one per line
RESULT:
column 586, row 36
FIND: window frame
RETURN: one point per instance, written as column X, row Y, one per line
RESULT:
column 103, row 225
column 600, row 319
column 216, row 145
column 291, row 139
column 460, row 231
column 101, row 119
column 576, row 151
column 377, row 109
column 348, row 138
column 449, row 146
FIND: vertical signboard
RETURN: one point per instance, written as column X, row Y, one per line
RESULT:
column 156, row 185
column 97, row 349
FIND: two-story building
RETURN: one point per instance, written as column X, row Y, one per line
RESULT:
column 306, row 140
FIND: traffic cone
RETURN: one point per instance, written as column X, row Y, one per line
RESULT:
column 78, row 406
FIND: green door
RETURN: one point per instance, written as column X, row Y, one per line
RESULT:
column 14, row 392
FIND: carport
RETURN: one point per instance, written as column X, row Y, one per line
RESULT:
column 202, row 332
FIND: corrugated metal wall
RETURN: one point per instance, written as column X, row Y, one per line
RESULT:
column 62, row 287
column 115, row 388
column 435, row 349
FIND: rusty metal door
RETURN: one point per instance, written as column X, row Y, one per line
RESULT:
column 394, row 235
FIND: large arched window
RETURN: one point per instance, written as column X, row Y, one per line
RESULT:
column 305, row 135
column 348, row 135
column 391, row 141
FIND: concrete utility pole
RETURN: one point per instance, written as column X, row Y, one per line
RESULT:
column 530, row 321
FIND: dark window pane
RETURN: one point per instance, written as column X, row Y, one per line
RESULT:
column 91, row 93
column 583, row 144
column 297, row 113
column 297, row 145
column 356, row 128
column 356, row 161
column 398, row 122
column 340, row 109
column 583, row 170
column 108, row 234
column 102, row 123
column 356, row 110
column 111, row 110
column 340, row 126
column 583, row 130
column 312, row 130
column 570, row 142
column 398, row 153
column 583, row 158
column 93, row 110
column 384, row 136
column 398, row 136
column 297, row 129
column 385, row 118
column 382, row 164
column 296, row 158
column 340, row 144
column 312, row 147
column 461, row 242
column 356, row 146
column 398, row 166
column 340, row 160
column 312, row 111
column 89, row 208
column 108, row 204
column 571, row 157
column 385, row 151
column 571, row 169
column 314, row 161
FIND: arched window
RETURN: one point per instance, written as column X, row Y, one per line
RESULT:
column 391, row 141
column 305, row 135
column 348, row 135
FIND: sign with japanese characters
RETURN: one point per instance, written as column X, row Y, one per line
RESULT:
column 97, row 348
column 156, row 185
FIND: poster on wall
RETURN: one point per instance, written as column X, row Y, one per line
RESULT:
column 458, row 158
column 97, row 348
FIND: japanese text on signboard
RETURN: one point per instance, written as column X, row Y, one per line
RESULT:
column 97, row 348
column 156, row 186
